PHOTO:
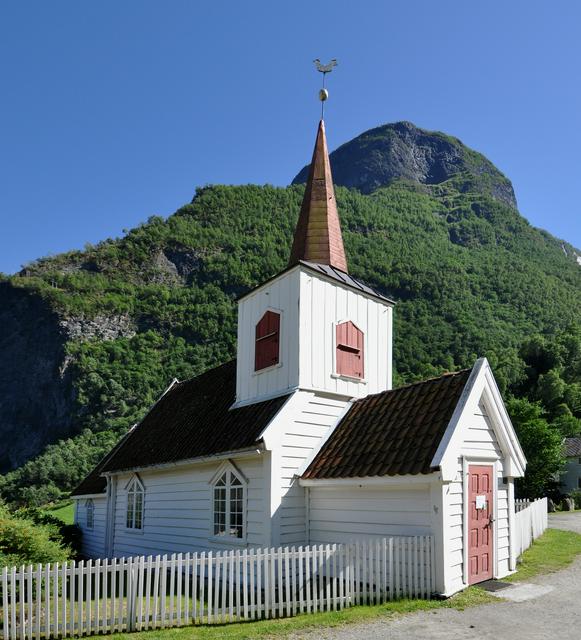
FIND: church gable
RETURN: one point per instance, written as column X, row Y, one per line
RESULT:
column 480, row 428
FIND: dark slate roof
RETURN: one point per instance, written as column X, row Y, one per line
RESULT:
column 346, row 279
column 572, row 447
column 193, row 419
column 95, row 482
column 391, row 433
column 330, row 272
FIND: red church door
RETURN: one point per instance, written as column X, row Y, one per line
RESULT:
column 480, row 527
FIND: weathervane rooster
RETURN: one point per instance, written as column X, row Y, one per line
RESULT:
column 324, row 69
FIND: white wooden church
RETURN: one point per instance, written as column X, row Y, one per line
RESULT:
column 302, row 440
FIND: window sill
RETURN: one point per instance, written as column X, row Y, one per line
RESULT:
column 227, row 541
column 271, row 368
column 340, row 376
column 134, row 532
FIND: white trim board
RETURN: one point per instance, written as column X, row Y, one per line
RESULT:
column 240, row 453
column 372, row 481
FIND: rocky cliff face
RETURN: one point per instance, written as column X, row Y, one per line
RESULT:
column 37, row 394
column 403, row 151
column 37, row 397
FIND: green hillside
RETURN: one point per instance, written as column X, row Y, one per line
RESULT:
column 91, row 338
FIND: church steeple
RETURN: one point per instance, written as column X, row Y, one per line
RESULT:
column 318, row 234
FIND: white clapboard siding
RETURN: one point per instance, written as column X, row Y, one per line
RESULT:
column 529, row 524
column 281, row 295
column 479, row 438
column 325, row 303
column 453, row 529
column 502, row 524
column 178, row 508
column 342, row 514
column 140, row 593
column 310, row 306
column 93, row 538
column 309, row 423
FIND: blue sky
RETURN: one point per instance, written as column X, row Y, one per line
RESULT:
column 112, row 111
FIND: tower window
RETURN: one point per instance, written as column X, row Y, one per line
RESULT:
column 267, row 341
column 349, row 350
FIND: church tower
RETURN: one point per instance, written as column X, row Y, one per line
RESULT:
column 314, row 327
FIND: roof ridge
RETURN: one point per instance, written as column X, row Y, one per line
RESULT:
column 447, row 374
column 203, row 373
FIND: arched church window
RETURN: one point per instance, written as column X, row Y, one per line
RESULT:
column 135, row 499
column 90, row 514
column 229, row 503
column 267, row 341
column 349, row 350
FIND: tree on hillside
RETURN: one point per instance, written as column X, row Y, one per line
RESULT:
column 542, row 445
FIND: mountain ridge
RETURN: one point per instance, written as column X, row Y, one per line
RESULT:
column 380, row 155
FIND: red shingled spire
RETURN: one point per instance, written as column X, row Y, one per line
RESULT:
column 318, row 233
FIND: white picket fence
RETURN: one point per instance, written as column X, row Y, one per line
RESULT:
column 520, row 504
column 126, row 594
column 529, row 523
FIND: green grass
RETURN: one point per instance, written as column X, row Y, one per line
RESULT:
column 554, row 550
column 64, row 511
column 312, row 622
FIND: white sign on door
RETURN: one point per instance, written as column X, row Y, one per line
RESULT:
column 481, row 502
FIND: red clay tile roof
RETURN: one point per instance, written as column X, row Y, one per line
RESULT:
column 572, row 447
column 318, row 234
column 391, row 433
column 193, row 419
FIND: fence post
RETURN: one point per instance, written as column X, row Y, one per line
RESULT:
column 131, row 582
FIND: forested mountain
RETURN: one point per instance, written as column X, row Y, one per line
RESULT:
column 89, row 339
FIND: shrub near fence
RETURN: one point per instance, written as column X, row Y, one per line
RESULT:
column 48, row 601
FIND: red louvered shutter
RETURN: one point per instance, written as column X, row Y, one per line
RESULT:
column 349, row 351
column 267, row 341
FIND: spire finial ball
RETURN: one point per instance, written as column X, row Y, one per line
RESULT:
column 323, row 95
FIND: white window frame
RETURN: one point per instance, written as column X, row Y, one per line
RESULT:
column 278, row 365
column 230, row 470
column 133, row 489
column 90, row 514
